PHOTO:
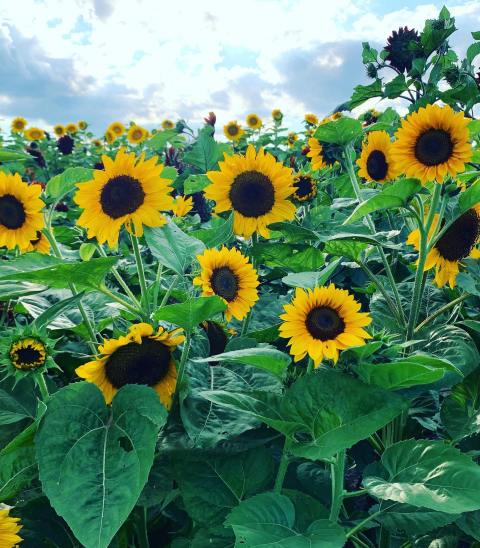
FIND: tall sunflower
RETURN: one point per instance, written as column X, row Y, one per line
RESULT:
column 323, row 321
column 228, row 274
column 110, row 137
column 305, row 187
column 20, row 211
column 376, row 162
column 233, row 131
column 18, row 124
column 315, row 154
column 255, row 187
column 59, row 130
column 457, row 243
column 34, row 134
column 401, row 47
column 431, row 143
column 167, row 124
column 9, row 528
column 71, row 128
column 117, row 128
column 82, row 124
column 136, row 134
column 129, row 191
column 311, row 119
column 142, row 356
column 254, row 121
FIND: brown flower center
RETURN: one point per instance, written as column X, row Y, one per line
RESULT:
column 324, row 323
column 252, row 194
column 121, row 196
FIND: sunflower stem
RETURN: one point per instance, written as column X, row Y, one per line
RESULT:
column 184, row 358
column 141, row 273
column 169, row 291
column 337, row 469
column 137, row 311
column 380, row 287
column 42, row 385
column 282, row 467
column 441, row 310
column 158, row 279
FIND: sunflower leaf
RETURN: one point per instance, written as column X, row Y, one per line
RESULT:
column 63, row 183
column 339, row 132
column 192, row 312
column 469, row 198
column 55, row 310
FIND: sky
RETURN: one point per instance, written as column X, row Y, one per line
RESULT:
column 147, row 60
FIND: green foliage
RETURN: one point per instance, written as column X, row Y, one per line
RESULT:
column 192, row 312
column 67, row 181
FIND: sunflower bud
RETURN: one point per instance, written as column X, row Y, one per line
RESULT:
column 452, row 75
column 372, row 70
column 210, row 119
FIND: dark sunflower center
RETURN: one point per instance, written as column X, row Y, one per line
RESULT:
column 459, row 240
column 216, row 337
column 324, row 323
column 12, row 212
column 26, row 358
column 303, row 186
column 121, row 195
column 147, row 363
column 224, row 283
column 433, row 147
column 252, row 194
column 137, row 134
column 232, row 130
column 253, row 120
column 377, row 166
column 37, row 239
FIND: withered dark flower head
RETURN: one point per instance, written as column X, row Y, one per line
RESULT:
column 65, row 144
column 401, row 53
column 211, row 119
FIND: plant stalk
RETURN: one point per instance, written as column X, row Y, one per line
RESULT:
column 282, row 467
column 337, row 471
column 141, row 273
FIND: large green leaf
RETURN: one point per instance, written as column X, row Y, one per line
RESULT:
column 94, row 460
column 427, row 474
column 65, row 182
column 469, row 198
column 192, row 312
column 13, row 290
column 11, row 156
column 172, row 247
column 363, row 93
column 12, row 410
column 55, row 310
column 470, row 523
column 331, row 410
column 205, row 152
column 340, row 132
column 195, row 183
column 268, row 519
column 312, row 279
column 220, row 233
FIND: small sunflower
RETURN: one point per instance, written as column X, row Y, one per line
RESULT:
column 40, row 244
column 9, row 528
column 142, row 356
column 254, row 121
column 20, row 211
column 136, row 134
column 110, row 137
column 376, row 162
column 97, row 143
column 82, row 124
column 458, row 243
column 232, row 131
column 168, row 124
column 18, row 124
column 34, row 134
column 129, row 191
column 228, row 274
column 182, row 206
column 323, row 321
column 305, row 187
column 117, row 128
column 431, row 143
column 71, row 128
column 315, row 154
column 256, row 187
column 59, row 130
column 311, row 119
column 292, row 138
column 277, row 115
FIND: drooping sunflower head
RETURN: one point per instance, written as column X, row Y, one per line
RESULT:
column 65, row 144
column 136, row 134
column 431, row 143
column 20, row 211
column 256, row 187
column 59, row 130
column 401, row 48
column 9, row 529
column 315, row 154
column 277, row 115
column 167, row 124
column 82, row 124
column 34, row 134
column 254, row 121
column 230, row 275
column 322, row 322
column 311, row 119
column 305, row 187
column 233, row 131
column 71, row 128
column 217, row 338
column 40, row 244
column 182, row 206
column 376, row 162
column 110, row 137
column 458, row 242
column 371, row 116
column 142, row 356
column 117, row 128
column 18, row 124
column 129, row 191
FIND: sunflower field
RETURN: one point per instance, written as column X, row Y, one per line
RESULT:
column 261, row 338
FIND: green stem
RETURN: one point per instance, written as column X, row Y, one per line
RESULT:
column 282, row 467
column 362, row 524
column 42, row 385
column 380, row 287
column 141, row 273
column 169, row 291
column 337, row 469
column 137, row 311
column 441, row 310
column 158, row 279
column 347, row 495
column 183, row 358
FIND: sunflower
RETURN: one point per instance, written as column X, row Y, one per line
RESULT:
column 375, row 162
column 277, row 115
column 322, row 321
column 59, row 130
column 311, row 119
column 9, row 528
column 233, row 131
column 142, row 356
column 255, row 187
column 34, row 134
column 18, row 124
column 40, row 244
column 399, row 47
column 253, row 121
column 97, row 143
column 136, row 134
column 457, row 243
column 315, row 154
column 65, row 145
column 431, row 143
column 82, row 124
column 20, row 211
column 71, row 128
column 292, row 138
column 117, row 128
column 217, row 338
column 110, row 137
column 305, row 187
column 182, row 206
column 129, row 191
column 228, row 274
column 168, row 124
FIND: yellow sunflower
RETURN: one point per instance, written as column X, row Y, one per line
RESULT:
column 228, row 274
column 97, row 143
column 142, row 356
column 9, row 528
column 34, row 134
column 27, row 354
column 431, row 143
column 311, row 119
column 277, row 115
column 129, row 191
column 20, row 211
column 168, row 124
column 256, row 188
column 136, row 134
column 182, row 206
column 82, row 124
column 71, row 128
column 18, row 124
column 292, row 138
column 457, row 243
column 323, row 321
column 233, row 131
column 110, row 137
column 315, row 154
column 40, row 244
column 59, row 130
column 253, row 121
column 117, row 128
column 305, row 187
column 376, row 162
